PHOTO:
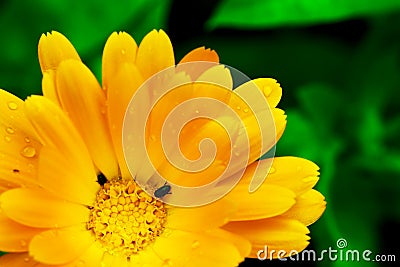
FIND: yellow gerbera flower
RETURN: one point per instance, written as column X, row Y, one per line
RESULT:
column 67, row 195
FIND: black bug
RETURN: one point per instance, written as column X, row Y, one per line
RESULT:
column 101, row 179
column 162, row 191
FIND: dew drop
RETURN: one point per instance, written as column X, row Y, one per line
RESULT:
column 271, row 170
column 195, row 244
column 237, row 154
column 10, row 130
column 23, row 243
column 80, row 263
column 167, row 263
column 267, row 90
column 27, row 139
column 26, row 259
column 12, row 105
column 28, row 152
column 245, row 110
column 7, row 138
column 238, row 107
column 123, row 51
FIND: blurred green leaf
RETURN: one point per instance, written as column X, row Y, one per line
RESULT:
column 271, row 13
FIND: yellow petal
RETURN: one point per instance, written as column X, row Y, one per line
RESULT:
column 296, row 174
column 200, row 54
column 38, row 208
column 121, row 88
column 276, row 234
column 60, row 246
column 210, row 216
column 308, row 208
column 84, row 101
column 65, row 182
column 18, row 260
column 55, row 130
column 19, row 146
column 119, row 49
column 195, row 249
column 49, row 86
column 53, row 49
column 147, row 257
column 155, row 53
column 15, row 237
column 241, row 243
column 267, row 201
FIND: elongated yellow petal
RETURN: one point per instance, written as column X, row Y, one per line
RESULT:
column 120, row 48
column 267, row 201
column 15, row 237
column 276, row 234
column 205, row 217
column 182, row 249
column 60, row 246
column 19, row 146
column 84, row 101
column 308, row 208
column 155, row 53
column 53, row 49
column 18, row 260
column 38, row 208
column 56, row 131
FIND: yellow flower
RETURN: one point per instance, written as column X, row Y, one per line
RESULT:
column 67, row 195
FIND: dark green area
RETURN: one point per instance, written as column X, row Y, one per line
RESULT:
column 337, row 61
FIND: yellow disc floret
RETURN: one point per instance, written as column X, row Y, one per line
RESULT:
column 125, row 219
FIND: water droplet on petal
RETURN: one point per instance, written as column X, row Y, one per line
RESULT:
column 10, row 130
column 195, row 244
column 123, row 51
column 27, row 139
column 197, row 111
column 12, row 105
column 245, row 110
column 27, row 259
column 167, row 263
column 7, row 138
column 271, row 170
column 238, row 107
column 80, row 263
column 153, row 137
column 28, row 151
column 267, row 90
column 23, row 243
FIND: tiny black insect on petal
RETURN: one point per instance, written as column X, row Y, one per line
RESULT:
column 162, row 191
column 101, row 179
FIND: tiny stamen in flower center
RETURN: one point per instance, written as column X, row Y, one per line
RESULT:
column 125, row 219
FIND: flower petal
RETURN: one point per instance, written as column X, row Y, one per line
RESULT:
column 60, row 246
column 15, row 237
column 267, row 201
column 53, row 49
column 119, row 49
column 49, row 86
column 155, row 53
column 68, row 183
column 18, row 260
column 209, row 216
column 296, row 174
column 308, row 208
column 19, row 147
column 84, row 101
column 39, row 208
column 121, row 88
column 201, row 54
column 276, row 234
column 56, row 131
column 241, row 243
column 182, row 248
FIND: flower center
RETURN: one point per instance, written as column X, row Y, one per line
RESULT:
column 125, row 219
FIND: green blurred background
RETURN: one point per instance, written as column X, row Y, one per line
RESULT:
column 338, row 62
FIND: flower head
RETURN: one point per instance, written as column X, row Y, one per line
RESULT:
column 77, row 170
